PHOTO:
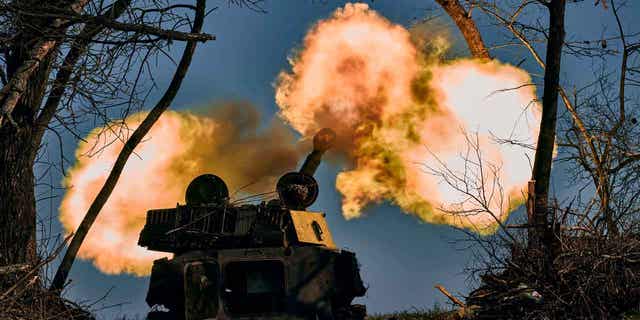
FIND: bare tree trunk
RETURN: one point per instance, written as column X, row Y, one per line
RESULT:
column 164, row 102
column 18, row 149
column 546, row 138
column 603, row 188
column 467, row 27
column 19, row 143
column 33, row 36
column 17, row 200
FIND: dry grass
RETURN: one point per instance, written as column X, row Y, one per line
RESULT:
column 23, row 296
column 589, row 278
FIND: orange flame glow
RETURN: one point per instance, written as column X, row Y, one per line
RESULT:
column 416, row 130
column 179, row 147
column 408, row 121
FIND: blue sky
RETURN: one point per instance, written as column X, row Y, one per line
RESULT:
column 402, row 258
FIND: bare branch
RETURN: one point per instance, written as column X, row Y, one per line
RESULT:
column 78, row 48
column 12, row 91
column 467, row 27
column 164, row 102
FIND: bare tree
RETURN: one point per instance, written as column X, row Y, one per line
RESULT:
column 546, row 139
column 583, row 257
column 607, row 154
column 589, row 247
column 64, row 63
column 129, row 146
column 597, row 137
column 547, row 135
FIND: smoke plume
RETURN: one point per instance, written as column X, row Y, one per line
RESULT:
column 417, row 130
column 414, row 129
column 179, row 147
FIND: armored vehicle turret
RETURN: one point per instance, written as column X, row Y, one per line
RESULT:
column 271, row 260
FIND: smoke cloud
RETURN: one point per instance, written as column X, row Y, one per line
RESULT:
column 179, row 147
column 417, row 130
column 414, row 129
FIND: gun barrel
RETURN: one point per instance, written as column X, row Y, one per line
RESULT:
column 322, row 141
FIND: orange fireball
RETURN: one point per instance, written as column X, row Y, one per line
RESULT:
column 406, row 119
column 179, row 147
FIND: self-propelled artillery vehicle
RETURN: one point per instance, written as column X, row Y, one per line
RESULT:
column 272, row 260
